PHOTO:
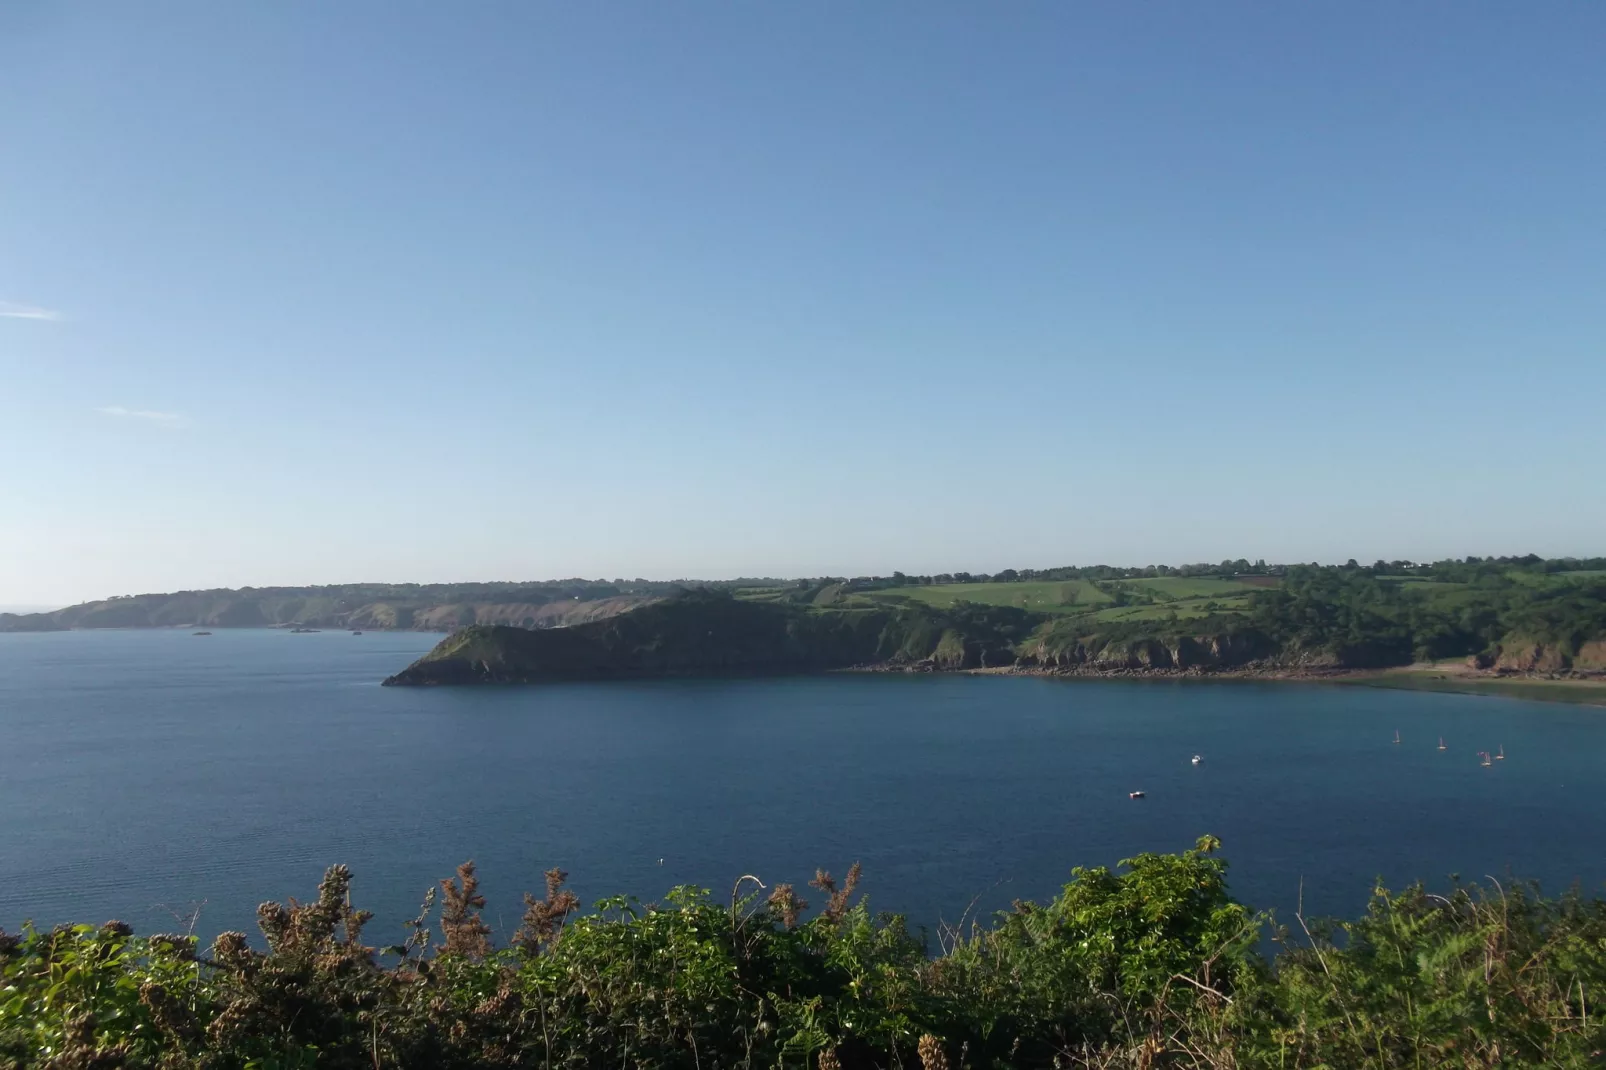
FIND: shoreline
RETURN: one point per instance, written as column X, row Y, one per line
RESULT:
column 1441, row 678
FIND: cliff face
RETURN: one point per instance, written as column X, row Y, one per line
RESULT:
column 1244, row 648
column 1221, row 651
column 1524, row 654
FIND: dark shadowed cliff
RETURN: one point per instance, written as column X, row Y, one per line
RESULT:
column 710, row 633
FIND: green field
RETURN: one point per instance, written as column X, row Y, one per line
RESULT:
column 1153, row 598
column 1145, row 599
column 1184, row 609
column 1190, row 586
column 1051, row 596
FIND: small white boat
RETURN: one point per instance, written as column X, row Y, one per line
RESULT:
column 1134, row 795
column 1441, row 744
column 1396, row 735
column 1500, row 756
column 1197, row 760
column 1484, row 755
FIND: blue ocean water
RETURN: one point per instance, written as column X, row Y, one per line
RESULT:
column 148, row 773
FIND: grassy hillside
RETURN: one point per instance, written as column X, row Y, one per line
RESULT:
column 424, row 607
column 1068, row 596
column 1106, row 600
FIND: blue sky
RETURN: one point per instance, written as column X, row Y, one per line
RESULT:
column 309, row 293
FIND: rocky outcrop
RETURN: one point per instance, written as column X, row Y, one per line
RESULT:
column 1233, row 650
column 1522, row 655
column 1591, row 656
column 1186, row 652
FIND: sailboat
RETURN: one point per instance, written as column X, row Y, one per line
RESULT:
column 1485, row 756
column 1501, row 755
column 1396, row 735
column 1441, row 744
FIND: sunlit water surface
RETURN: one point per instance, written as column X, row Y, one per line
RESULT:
column 146, row 773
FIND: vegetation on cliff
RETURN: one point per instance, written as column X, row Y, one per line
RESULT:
column 425, row 607
column 1152, row 965
column 1308, row 618
column 706, row 632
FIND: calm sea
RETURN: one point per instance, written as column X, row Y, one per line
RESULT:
column 148, row 773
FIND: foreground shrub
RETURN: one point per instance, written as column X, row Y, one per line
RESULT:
column 1153, row 965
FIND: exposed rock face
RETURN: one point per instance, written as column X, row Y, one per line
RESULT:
column 1220, row 651
column 1525, row 655
column 1232, row 651
column 1591, row 656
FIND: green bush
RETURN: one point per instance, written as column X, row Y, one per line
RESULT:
column 1152, row 965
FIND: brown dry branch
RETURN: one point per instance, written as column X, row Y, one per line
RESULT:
column 787, row 904
column 543, row 918
column 465, row 932
column 836, row 904
column 308, row 927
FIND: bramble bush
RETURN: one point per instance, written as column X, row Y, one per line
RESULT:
column 1151, row 965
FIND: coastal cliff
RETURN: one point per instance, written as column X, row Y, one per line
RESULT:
column 369, row 607
column 698, row 633
column 705, row 632
column 711, row 633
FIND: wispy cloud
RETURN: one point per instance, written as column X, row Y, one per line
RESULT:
column 13, row 311
column 167, row 419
